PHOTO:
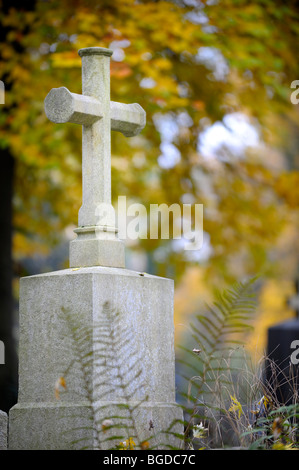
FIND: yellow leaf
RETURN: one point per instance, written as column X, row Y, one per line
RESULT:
column 66, row 59
column 60, row 382
column 144, row 445
column 236, row 406
column 128, row 444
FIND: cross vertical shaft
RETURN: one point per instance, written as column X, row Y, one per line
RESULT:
column 97, row 243
column 96, row 137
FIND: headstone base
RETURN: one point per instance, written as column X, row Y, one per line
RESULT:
column 94, row 247
column 71, row 427
column 109, row 333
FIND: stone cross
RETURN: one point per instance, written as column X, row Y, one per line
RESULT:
column 293, row 302
column 89, row 308
column 96, row 244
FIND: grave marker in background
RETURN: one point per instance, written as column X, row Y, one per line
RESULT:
column 282, row 371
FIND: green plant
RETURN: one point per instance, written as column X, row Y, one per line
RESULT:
column 276, row 429
column 228, row 402
column 276, row 425
column 108, row 367
column 219, row 361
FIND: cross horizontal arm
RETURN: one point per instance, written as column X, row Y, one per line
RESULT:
column 63, row 106
column 129, row 119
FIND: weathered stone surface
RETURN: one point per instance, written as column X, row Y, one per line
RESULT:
column 3, row 430
column 142, row 353
column 129, row 119
column 96, row 248
column 62, row 106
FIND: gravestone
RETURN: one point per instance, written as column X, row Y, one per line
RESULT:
column 282, row 369
column 96, row 345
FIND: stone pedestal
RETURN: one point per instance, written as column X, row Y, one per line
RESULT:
column 109, row 333
column 95, row 247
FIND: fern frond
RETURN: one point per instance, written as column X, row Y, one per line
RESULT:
column 215, row 332
column 107, row 365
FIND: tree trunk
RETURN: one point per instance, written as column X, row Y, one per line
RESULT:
column 8, row 370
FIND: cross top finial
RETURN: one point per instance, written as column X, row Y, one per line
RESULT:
column 95, row 244
column 95, row 51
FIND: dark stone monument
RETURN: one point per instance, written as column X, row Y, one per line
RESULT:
column 282, row 368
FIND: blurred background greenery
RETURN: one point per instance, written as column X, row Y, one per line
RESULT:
column 222, row 130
